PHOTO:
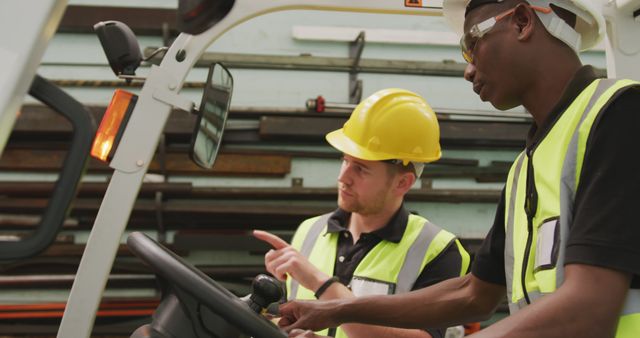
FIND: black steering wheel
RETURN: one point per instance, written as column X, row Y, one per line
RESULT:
column 196, row 297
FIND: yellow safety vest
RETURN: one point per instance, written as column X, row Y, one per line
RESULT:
column 388, row 268
column 537, row 228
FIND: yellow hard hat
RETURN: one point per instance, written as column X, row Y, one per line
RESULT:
column 391, row 124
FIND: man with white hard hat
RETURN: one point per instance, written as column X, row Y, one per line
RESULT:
column 563, row 248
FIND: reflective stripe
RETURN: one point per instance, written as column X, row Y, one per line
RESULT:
column 522, row 303
column 307, row 246
column 508, row 246
column 534, row 296
column 568, row 180
column 631, row 303
column 415, row 255
column 567, row 195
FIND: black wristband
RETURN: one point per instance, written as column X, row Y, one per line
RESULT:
column 325, row 286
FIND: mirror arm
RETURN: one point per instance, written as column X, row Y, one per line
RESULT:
column 155, row 52
column 130, row 78
column 173, row 99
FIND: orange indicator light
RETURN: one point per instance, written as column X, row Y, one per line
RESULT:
column 113, row 123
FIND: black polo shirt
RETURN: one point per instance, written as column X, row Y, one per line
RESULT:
column 605, row 229
column 348, row 256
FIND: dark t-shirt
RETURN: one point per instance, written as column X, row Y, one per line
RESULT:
column 605, row 230
column 446, row 265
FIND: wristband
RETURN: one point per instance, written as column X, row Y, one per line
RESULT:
column 325, row 286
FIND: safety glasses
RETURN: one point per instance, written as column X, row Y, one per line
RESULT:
column 469, row 40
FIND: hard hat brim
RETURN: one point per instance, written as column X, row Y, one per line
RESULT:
column 341, row 142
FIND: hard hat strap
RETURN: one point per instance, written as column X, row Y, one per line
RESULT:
column 560, row 29
column 418, row 167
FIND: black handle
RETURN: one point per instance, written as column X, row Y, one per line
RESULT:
column 65, row 189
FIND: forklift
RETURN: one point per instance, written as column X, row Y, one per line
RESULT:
column 192, row 305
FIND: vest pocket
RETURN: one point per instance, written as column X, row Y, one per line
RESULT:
column 548, row 244
column 363, row 286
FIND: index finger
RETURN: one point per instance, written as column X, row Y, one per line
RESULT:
column 275, row 241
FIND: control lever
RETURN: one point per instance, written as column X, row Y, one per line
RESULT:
column 265, row 290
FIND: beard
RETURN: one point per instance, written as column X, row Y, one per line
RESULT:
column 368, row 206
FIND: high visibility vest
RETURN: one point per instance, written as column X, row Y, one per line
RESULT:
column 388, row 268
column 539, row 197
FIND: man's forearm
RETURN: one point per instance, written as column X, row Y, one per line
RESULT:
column 339, row 291
column 579, row 308
column 451, row 302
column 366, row 331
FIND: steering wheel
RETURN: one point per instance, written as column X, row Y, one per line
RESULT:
column 185, row 281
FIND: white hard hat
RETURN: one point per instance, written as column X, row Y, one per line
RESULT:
column 588, row 31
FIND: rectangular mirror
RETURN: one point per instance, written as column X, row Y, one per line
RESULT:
column 212, row 116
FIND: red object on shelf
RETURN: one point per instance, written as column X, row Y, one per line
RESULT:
column 320, row 104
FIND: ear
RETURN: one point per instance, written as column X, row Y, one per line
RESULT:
column 404, row 182
column 525, row 20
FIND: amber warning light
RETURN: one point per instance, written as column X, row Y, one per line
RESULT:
column 113, row 123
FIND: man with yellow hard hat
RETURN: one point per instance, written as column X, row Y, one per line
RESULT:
column 371, row 244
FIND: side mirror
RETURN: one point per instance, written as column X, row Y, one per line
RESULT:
column 212, row 116
column 120, row 45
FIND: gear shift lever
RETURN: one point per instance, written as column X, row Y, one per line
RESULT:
column 264, row 291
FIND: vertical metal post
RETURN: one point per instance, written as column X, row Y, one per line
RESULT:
column 355, row 85
column 131, row 161
column 100, row 251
